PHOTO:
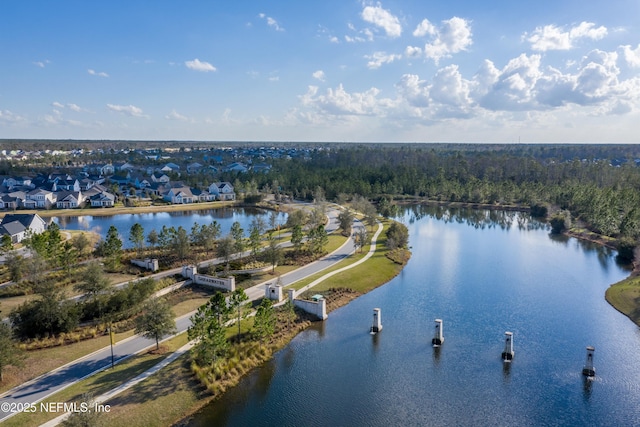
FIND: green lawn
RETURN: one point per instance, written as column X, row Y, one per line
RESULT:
column 624, row 296
column 102, row 383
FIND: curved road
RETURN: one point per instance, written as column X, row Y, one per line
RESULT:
column 44, row 386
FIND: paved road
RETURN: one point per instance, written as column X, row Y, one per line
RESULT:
column 48, row 384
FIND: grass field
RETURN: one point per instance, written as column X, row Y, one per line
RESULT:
column 624, row 296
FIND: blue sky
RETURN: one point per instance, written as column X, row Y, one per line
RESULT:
column 331, row 70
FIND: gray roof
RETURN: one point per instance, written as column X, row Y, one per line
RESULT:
column 12, row 228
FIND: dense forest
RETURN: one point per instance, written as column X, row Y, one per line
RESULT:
column 598, row 186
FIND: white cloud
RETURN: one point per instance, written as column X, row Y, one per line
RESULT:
column 198, row 65
column 174, row 115
column 95, row 73
column 413, row 52
column 8, row 117
column 524, row 89
column 41, row 64
column 551, row 37
column 413, row 90
column 453, row 36
column 382, row 18
column 271, row 22
column 424, row 28
column 378, row 58
column 340, row 102
column 450, row 88
column 319, row 75
column 74, row 107
column 130, row 110
column 631, row 56
column 57, row 105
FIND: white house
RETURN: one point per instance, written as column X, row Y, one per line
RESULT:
column 39, row 199
column 222, row 190
column 102, row 200
column 68, row 199
column 17, row 225
column 179, row 195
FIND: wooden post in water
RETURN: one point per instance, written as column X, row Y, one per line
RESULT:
column 589, row 370
column 438, row 337
column 377, row 323
column 508, row 353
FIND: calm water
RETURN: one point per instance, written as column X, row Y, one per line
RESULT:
column 224, row 216
column 482, row 278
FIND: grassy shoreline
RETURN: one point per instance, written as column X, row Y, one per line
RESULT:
column 177, row 394
column 119, row 210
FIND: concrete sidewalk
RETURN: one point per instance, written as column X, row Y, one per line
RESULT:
column 126, row 386
column 182, row 350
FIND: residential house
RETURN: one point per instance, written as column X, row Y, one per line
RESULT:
column 203, row 195
column 69, row 199
column 17, row 225
column 222, row 190
column 140, row 182
column 160, row 177
column 124, row 166
column 179, row 195
column 103, row 199
column 261, row 168
column 170, row 167
column 236, row 167
column 39, row 199
column 104, row 169
column 9, row 202
column 194, row 167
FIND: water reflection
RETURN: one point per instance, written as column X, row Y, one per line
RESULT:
column 479, row 219
column 375, row 339
column 156, row 220
column 506, row 371
column 587, row 384
column 483, row 277
column 436, row 355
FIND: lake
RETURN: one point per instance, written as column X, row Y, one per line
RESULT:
column 224, row 216
column 483, row 273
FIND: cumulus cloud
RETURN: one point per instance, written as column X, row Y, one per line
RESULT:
column 8, row 117
column 413, row 52
column 452, row 36
column 382, row 18
column 319, row 75
column 631, row 56
column 198, row 65
column 551, row 37
column 70, row 106
column 340, row 102
column 271, row 22
column 174, row 115
column 522, row 87
column 523, row 84
column 130, row 110
column 378, row 58
column 96, row 73
column 424, row 28
column 41, row 64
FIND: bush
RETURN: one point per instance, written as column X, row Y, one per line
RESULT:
column 44, row 317
column 397, row 236
column 539, row 211
column 626, row 248
column 560, row 221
